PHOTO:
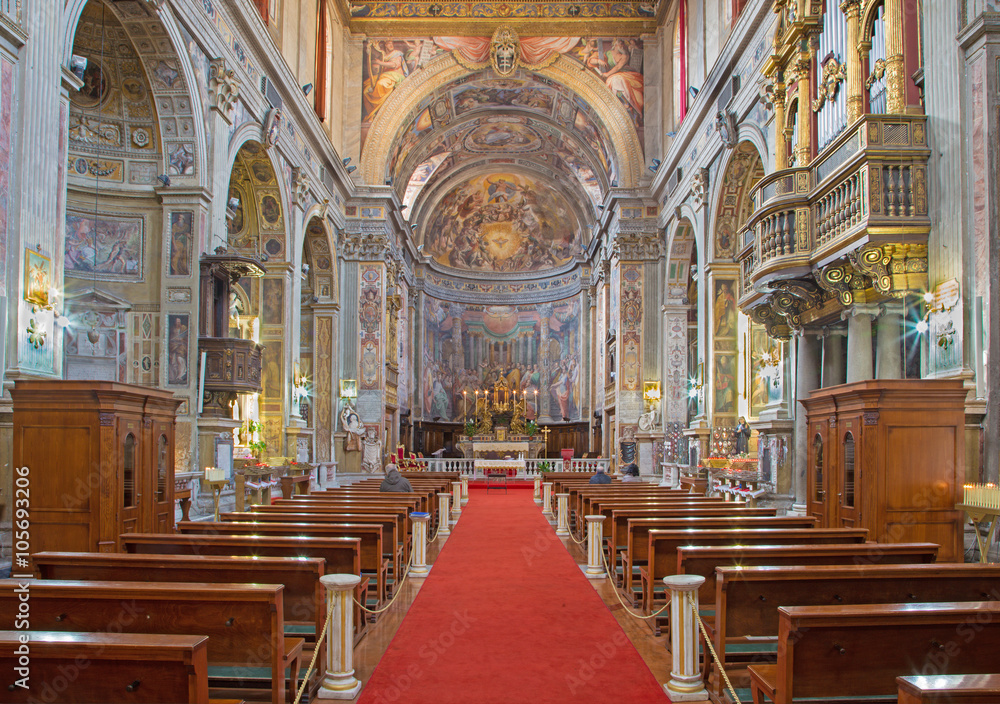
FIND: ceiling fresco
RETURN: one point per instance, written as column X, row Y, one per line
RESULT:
column 503, row 222
column 450, row 124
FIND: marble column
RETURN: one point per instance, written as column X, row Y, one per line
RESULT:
column 889, row 343
column 833, row 358
column 544, row 397
column 807, row 379
column 859, row 345
column 339, row 681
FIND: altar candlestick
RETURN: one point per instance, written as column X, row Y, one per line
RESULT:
column 465, row 405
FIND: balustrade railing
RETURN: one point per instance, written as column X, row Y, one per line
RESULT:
column 467, row 467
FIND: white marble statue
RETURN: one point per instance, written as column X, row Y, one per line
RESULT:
column 350, row 421
column 647, row 421
column 371, row 459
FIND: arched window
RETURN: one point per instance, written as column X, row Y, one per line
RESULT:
column 848, row 492
column 792, row 130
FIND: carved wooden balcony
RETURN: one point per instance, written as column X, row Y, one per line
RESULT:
column 232, row 366
column 867, row 189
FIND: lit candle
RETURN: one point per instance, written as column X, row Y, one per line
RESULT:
column 465, row 405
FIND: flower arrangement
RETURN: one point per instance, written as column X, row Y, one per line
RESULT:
column 531, row 428
column 470, row 429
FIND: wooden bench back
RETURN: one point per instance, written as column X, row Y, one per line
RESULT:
column 244, row 622
column 663, row 544
column 747, row 598
column 342, row 555
column 99, row 667
column 703, row 559
column 876, row 643
column 616, row 519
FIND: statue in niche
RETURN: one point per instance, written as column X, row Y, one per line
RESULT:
column 371, row 459
column 647, row 421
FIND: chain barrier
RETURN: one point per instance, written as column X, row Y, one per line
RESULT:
column 711, row 648
column 319, row 643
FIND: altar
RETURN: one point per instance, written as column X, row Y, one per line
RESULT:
column 512, row 468
column 501, row 428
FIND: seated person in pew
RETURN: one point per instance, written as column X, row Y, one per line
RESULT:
column 394, row 481
column 631, row 473
column 601, row 477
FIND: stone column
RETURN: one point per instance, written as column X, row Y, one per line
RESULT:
column 538, row 490
column 807, row 379
column 456, row 501
column 418, row 556
column 444, row 515
column 833, row 358
column 324, row 378
column 465, row 489
column 547, row 501
column 562, row 515
column 859, row 344
column 339, row 681
column 685, row 683
column 889, row 343
column 781, row 156
column 224, row 90
column 595, row 547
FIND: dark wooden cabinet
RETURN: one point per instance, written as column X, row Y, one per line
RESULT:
column 889, row 456
column 100, row 459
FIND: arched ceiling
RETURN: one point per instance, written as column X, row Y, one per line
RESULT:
column 502, row 172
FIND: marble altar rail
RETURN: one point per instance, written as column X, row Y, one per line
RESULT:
column 466, row 466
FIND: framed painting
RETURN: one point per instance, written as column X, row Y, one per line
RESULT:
column 37, row 278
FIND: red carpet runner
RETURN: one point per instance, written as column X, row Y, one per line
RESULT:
column 506, row 615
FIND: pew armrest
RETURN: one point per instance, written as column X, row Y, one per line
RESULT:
column 763, row 681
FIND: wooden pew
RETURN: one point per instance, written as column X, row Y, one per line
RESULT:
column 747, row 598
column 400, row 514
column 342, row 555
column 875, row 644
column 82, row 668
column 663, row 545
column 244, row 622
column 616, row 521
column 635, row 556
column 373, row 562
column 391, row 527
column 949, row 689
column 702, row 560
column 304, row 597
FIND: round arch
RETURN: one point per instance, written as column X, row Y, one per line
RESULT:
column 742, row 170
column 171, row 77
column 444, row 69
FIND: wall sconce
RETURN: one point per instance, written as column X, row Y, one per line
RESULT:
column 349, row 388
column 38, row 289
column 932, row 305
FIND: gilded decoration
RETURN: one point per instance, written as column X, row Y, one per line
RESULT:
column 834, row 73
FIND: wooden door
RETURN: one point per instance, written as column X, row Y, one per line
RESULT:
column 160, row 479
column 130, row 480
column 848, row 476
column 821, row 459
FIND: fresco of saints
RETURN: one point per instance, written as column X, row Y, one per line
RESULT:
column 384, row 73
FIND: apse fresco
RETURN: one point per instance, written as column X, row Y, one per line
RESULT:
column 502, row 222
column 534, row 348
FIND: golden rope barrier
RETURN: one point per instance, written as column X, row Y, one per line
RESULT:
column 397, row 589
column 319, row 642
column 624, row 606
column 711, row 648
